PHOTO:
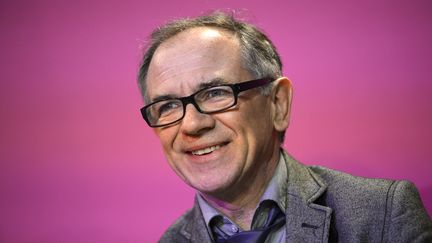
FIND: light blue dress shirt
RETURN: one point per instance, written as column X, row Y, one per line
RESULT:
column 275, row 191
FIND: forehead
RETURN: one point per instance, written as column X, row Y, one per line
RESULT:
column 191, row 57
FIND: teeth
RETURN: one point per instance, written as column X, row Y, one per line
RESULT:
column 206, row 150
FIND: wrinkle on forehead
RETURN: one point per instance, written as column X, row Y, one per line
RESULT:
column 191, row 52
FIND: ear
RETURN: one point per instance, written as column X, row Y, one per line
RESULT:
column 281, row 103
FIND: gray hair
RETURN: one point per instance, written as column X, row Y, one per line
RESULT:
column 259, row 55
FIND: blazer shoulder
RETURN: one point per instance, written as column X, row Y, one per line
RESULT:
column 407, row 217
column 173, row 233
column 346, row 184
column 394, row 206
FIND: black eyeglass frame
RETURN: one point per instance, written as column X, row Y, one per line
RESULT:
column 237, row 88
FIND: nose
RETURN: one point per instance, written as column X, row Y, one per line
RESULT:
column 196, row 123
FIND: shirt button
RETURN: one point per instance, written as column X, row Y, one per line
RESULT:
column 234, row 229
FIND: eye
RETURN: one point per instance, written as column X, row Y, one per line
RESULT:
column 166, row 107
column 215, row 93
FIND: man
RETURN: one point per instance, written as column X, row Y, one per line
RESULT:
column 218, row 102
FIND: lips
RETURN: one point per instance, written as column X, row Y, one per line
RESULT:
column 206, row 150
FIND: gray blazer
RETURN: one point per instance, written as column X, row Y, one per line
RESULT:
column 324, row 205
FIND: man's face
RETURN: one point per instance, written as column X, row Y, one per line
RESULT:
column 233, row 144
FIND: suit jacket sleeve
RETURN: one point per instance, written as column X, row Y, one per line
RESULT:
column 406, row 218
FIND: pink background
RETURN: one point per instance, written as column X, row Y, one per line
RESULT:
column 78, row 164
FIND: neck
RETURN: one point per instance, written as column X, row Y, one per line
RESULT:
column 239, row 204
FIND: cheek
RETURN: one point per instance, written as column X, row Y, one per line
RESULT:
column 166, row 137
column 246, row 126
column 257, row 121
column 257, row 111
column 250, row 119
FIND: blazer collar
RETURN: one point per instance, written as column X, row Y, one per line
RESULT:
column 195, row 229
column 306, row 221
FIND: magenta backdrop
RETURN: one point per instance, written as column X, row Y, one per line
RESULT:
column 79, row 165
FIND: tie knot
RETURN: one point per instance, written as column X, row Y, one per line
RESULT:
column 267, row 218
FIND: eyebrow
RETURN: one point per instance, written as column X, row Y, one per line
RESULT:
column 206, row 84
column 162, row 97
column 211, row 83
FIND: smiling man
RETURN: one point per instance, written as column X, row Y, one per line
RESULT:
column 216, row 98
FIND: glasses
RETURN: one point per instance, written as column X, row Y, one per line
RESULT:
column 208, row 100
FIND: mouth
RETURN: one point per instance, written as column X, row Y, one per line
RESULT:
column 208, row 150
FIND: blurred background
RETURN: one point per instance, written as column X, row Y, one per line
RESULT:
column 78, row 163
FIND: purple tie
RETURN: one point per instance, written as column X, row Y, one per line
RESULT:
column 275, row 220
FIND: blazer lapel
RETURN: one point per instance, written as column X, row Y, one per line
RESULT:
column 195, row 230
column 305, row 220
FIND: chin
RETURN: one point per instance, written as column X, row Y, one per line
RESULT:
column 214, row 188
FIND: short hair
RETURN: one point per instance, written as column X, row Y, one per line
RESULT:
column 258, row 54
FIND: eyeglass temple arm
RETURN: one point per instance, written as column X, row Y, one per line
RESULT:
column 252, row 84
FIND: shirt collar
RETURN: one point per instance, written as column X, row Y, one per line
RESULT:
column 275, row 191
